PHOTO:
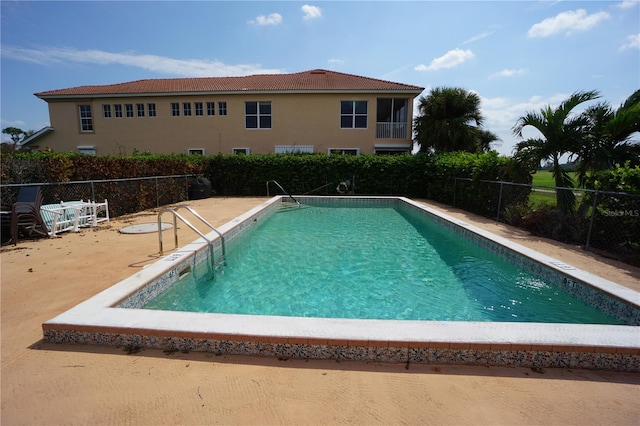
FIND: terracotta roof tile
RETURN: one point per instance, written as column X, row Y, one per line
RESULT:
column 313, row 80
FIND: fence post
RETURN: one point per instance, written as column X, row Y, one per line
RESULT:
column 499, row 203
column 593, row 214
column 93, row 192
column 157, row 193
column 455, row 182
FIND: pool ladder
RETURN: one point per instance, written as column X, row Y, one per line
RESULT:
column 282, row 189
column 176, row 216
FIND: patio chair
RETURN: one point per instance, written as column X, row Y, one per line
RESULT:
column 25, row 213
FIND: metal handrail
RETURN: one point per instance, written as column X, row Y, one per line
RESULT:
column 282, row 189
column 176, row 216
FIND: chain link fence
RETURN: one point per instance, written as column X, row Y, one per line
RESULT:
column 125, row 196
column 601, row 221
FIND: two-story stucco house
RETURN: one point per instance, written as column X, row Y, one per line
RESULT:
column 315, row 111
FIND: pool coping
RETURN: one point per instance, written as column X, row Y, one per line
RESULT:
column 98, row 321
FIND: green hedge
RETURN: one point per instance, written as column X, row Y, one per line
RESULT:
column 616, row 218
column 418, row 176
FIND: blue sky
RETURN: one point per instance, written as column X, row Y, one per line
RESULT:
column 519, row 56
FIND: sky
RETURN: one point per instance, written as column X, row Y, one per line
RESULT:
column 518, row 56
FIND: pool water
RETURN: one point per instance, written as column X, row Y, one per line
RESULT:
column 370, row 263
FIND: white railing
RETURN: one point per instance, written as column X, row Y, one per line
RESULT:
column 391, row 130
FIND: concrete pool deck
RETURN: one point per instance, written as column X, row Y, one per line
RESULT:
column 46, row 383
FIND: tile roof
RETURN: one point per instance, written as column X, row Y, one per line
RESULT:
column 313, row 80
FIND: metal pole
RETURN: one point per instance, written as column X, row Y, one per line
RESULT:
column 593, row 214
column 499, row 203
column 455, row 182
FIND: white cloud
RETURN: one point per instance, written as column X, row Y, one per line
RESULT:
column 49, row 56
column 12, row 123
column 628, row 4
column 450, row 59
column 501, row 114
column 633, row 42
column 478, row 37
column 270, row 19
column 311, row 12
column 334, row 61
column 508, row 73
column 567, row 23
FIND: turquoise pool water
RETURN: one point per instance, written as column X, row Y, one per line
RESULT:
column 370, row 263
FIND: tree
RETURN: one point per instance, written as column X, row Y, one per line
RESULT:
column 17, row 135
column 562, row 133
column 449, row 120
column 609, row 139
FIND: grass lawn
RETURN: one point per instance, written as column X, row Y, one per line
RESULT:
column 545, row 178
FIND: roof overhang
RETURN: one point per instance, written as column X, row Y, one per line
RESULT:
column 413, row 93
column 37, row 135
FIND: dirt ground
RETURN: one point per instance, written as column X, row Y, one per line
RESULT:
column 55, row 384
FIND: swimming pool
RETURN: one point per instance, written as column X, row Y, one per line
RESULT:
column 369, row 262
column 115, row 315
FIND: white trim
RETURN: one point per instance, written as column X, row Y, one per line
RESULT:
column 195, row 151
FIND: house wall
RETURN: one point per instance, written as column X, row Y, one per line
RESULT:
column 297, row 119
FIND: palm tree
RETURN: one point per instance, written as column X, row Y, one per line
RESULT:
column 449, row 119
column 609, row 140
column 562, row 133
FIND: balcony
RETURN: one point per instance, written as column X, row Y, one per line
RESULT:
column 392, row 130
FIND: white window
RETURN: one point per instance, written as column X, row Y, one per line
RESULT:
column 152, row 110
column 198, row 108
column 129, row 109
column 140, row 110
column 293, row 149
column 195, row 151
column 106, row 111
column 245, row 151
column 175, row 109
column 353, row 114
column 211, row 108
column 222, row 108
column 86, row 120
column 87, row 150
column 118, row 110
column 186, row 108
column 343, row 151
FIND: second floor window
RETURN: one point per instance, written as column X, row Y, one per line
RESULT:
column 175, row 109
column 257, row 115
column 106, row 110
column 152, row 110
column 222, row 108
column 353, row 114
column 140, row 109
column 211, row 108
column 198, row 108
column 186, row 108
column 86, row 120
column 118, row 110
column 129, row 109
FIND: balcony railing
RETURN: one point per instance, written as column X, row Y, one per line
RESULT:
column 391, row 130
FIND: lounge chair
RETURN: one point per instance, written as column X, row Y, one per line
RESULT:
column 89, row 213
column 25, row 213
